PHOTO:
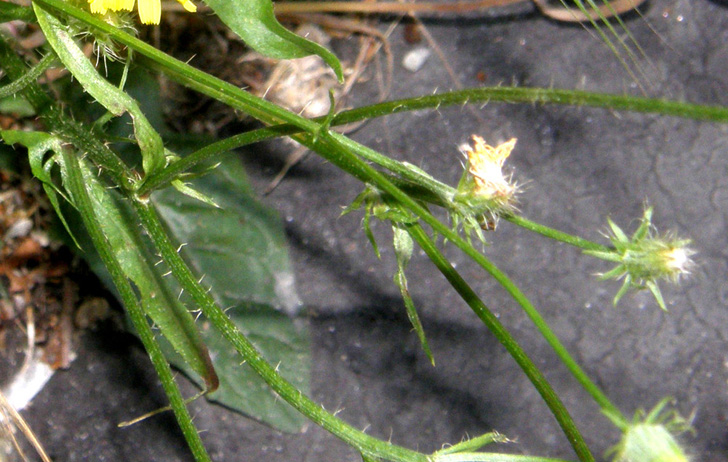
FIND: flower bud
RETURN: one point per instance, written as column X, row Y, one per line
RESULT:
column 650, row 436
column 644, row 258
column 649, row 443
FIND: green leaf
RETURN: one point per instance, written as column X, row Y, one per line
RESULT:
column 615, row 273
column 122, row 232
column 17, row 105
column 10, row 12
column 655, row 289
column 367, row 200
column 403, row 247
column 645, row 225
column 473, row 444
column 159, row 302
column 112, row 98
column 626, row 285
column 187, row 190
column 38, row 145
column 239, row 250
column 608, row 255
column 617, row 231
column 255, row 22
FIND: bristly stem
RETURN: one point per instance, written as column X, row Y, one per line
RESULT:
column 367, row 445
column 131, row 303
column 348, row 154
column 501, row 333
column 59, row 122
column 29, row 78
column 555, row 234
column 540, row 323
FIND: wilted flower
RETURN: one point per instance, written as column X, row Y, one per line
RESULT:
column 484, row 193
column 645, row 258
column 485, row 163
column 150, row 11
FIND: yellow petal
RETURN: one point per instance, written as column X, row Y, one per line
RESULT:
column 119, row 5
column 150, row 11
column 188, row 5
column 97, row 6
column 485, row 164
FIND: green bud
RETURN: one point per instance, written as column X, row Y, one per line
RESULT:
column 645, row 258
column 650, row 437
column 649, row 443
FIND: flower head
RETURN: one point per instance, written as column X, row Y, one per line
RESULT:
column 644, row 258
column 150, row 11
column 485, row 163
column 484, row 193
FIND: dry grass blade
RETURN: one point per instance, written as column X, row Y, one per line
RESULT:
column 566, row 14
column 10, row 417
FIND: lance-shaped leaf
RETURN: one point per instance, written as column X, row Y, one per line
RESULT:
column 255, row 22
column 124, row 235
column 109, row 96
column 239, row 251
column 162, row 306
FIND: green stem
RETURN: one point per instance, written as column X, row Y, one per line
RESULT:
column 488, row 457
column 131, row 303
column 243, row 101
column 502, row 334
column 29, row 77
column 338, row 147
column 530, row 310
column 543, row 327
column 519, row 95
column 61, row 123
column 338, row 155
column 213, row 151
column 555, row 234
column 364, row 443
column 233, row 96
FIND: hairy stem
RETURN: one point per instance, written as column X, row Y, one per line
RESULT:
column 367, row 445
column 131, row 303
column 555, row 234
column 59, row 122
column 501, row 333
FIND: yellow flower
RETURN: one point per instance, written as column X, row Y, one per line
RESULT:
column 486, row 163
column 150, row 11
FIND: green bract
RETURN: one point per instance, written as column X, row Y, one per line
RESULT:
column 651, row 438
column 645, row 258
